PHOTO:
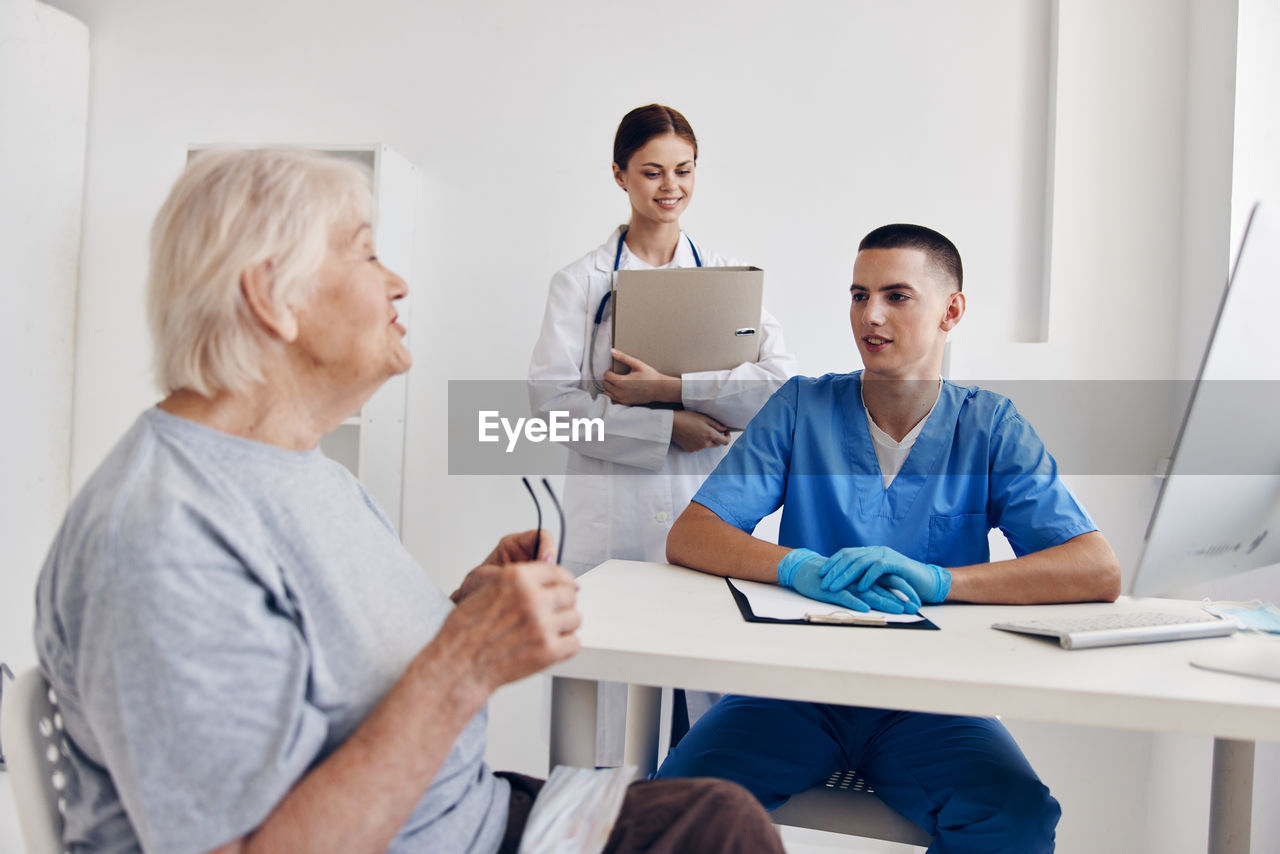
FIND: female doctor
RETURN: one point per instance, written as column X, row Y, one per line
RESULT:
column 623, row 494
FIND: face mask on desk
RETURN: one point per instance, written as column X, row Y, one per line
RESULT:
column 1255, row 616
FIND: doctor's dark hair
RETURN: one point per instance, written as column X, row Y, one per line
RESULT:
column 941, row 251
column 643, row 124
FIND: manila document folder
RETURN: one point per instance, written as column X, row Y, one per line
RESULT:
column 688, row 319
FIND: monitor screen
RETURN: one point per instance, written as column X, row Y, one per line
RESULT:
column 1218, row 511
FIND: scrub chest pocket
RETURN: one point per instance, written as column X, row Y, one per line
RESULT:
column 958, row 540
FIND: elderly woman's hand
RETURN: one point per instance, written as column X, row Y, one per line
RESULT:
column 513, row 548
column 521, row 620
column 643, row 384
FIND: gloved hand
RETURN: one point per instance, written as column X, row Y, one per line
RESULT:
column 860, row 568
column 845, row 570
column 802, row 571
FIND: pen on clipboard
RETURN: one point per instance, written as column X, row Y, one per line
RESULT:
column 849, row 618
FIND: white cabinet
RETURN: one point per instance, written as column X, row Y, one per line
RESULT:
column 371, row 442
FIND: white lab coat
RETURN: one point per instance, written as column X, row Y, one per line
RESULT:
column 622, row 495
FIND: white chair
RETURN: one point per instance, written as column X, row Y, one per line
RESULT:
column 35, row 749
column 847, row 804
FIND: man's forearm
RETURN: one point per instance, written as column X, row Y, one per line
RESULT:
column 1083, row 569
column 702, row 540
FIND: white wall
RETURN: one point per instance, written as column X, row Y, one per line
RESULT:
column 44, row 104
column 44, row 94
column 1236, row 93
column 817, row 121
column 1256, row 166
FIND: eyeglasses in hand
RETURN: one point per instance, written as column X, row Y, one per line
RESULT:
column 537, row 540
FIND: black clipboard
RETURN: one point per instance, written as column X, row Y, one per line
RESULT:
column 744, row 605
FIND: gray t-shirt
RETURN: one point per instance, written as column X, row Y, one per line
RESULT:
column 217, row 616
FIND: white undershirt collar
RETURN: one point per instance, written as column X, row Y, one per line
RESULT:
column 891, row 454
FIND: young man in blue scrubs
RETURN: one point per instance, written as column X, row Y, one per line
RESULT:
column 892, row 478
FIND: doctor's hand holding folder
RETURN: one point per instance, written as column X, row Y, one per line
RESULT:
column 675, row 322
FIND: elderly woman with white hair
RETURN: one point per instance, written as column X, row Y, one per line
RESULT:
column 245, row 656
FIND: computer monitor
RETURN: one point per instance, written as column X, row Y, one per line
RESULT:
column 1218, row 510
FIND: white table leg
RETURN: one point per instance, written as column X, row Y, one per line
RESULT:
column 573, row 722
column 644, row 708
column 1231, row 798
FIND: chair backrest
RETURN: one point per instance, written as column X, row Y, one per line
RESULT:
column 35, row 749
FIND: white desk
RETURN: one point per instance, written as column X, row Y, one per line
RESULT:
column 651, row 625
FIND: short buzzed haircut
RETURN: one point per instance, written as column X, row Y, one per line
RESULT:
column 941, row 251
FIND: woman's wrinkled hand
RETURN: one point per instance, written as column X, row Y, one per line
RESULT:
column 513, row 548
column 520, row 619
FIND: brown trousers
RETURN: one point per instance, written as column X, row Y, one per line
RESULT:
column 699, row 815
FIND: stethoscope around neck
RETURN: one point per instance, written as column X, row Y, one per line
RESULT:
column 604, row 302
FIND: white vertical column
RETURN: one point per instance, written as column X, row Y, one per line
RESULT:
column 573, row 722
column 644, row 708
column 1231, row 801
column 44, row 105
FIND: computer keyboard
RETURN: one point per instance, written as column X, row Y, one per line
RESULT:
column 1114, row 628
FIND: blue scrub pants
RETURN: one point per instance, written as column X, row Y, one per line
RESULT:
column 962, row 779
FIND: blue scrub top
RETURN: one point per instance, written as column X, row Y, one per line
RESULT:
column 976, row 465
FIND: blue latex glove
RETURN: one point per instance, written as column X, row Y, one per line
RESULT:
column 846, row 568
column 802, row 571
column 871, row 565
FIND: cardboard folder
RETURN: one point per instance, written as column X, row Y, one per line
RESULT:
column 688, row 319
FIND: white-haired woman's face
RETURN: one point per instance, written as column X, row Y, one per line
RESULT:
column 348, row 326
